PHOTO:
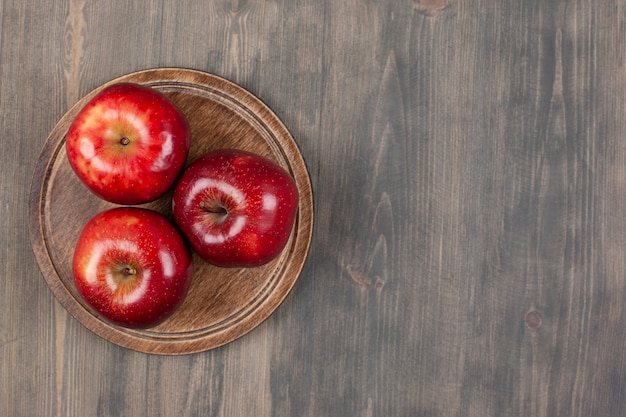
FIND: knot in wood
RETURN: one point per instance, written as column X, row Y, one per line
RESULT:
column 430, row 7
column 533, row 320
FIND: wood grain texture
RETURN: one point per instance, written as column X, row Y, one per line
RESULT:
column 468, row 164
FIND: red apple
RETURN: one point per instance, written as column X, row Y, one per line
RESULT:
column 132, row 266
column 236, row 208
column 128, row 144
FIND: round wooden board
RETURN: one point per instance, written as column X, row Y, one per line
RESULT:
column 223, row 303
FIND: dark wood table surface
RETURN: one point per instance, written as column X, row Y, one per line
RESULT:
column 468, row 161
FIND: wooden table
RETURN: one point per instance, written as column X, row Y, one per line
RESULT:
column 468, row 161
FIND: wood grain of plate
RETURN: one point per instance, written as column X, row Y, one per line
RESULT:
column 223, row 304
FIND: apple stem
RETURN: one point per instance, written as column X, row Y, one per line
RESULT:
column 214, row 208
column 128, row 271
column 124, row 141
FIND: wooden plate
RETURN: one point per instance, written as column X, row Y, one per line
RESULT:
column 223, row 303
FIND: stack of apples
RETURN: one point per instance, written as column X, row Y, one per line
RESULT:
column 130, row 145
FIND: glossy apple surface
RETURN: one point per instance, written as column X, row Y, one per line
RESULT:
column 236, row 208
column 128, row 144
column 132, row 266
